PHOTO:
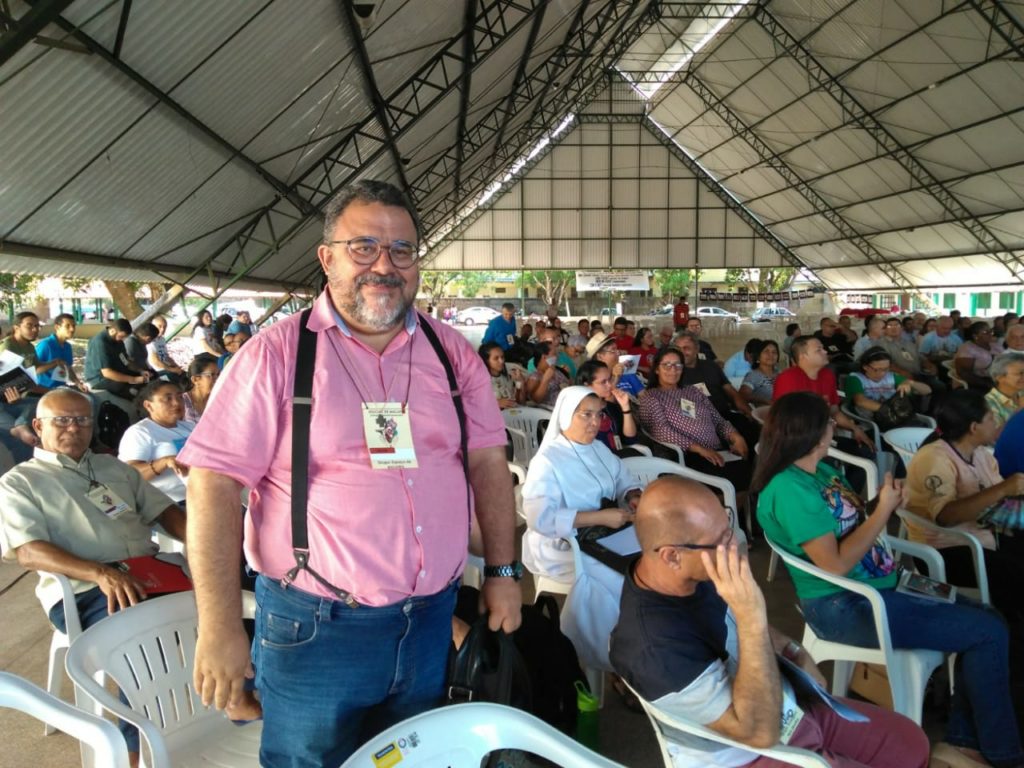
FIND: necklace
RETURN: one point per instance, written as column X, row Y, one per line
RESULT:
column 611, row 475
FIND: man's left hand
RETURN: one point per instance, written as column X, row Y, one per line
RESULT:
column 504, row 601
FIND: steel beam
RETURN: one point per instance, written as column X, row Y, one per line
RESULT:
column 465, row 83
column 855, row 113
column 122, row 27
column 380, row 108
column 360, row 146
column 165, row 99
column 1003, row 22
column 24, row 29
column 773, row 161
column 609, row 25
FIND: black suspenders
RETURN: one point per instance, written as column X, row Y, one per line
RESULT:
column 302, row 410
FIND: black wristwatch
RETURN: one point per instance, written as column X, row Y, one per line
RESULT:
column 512, row 570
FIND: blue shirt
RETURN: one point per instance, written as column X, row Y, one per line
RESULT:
column 932, row 343
column 737, row 366
column 501, row 331
column 1010, row 446
column 48, row 350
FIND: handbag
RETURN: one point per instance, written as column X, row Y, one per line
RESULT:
column 1008, row 514
column 895, row 412
column 488, row 667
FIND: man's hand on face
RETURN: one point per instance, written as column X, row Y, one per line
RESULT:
column 730, row 572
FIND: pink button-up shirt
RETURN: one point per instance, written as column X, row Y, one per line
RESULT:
column 381, row 534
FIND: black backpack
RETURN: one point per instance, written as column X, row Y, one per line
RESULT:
column 537, row 671
column 111, row 424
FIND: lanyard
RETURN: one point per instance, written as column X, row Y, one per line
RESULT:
column 360, row 386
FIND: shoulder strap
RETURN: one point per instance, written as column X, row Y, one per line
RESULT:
column 453, row 386
column 302, row 412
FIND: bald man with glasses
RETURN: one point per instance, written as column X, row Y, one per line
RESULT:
column 693, row 638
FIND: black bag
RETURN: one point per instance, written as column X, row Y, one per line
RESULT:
column 535, row 670
column 895, row 412
column 111, row 424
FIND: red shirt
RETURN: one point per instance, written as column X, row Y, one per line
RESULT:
column 646, row 356
column 794, row 379
column 681, row 313
column 624, row 343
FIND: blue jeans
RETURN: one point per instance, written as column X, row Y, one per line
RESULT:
column 331, row 677
column 92, row 607
column 981, row 714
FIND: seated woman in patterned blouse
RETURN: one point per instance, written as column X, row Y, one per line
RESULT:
column 759, row 383
column 684, row 416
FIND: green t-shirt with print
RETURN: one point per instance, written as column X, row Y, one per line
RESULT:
column 797, row 507
column 23, row 348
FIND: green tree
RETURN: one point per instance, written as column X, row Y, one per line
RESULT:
column 673, row 282
column 552, row 285
column 435, row 283
column 125, row 297
column 765, row 280
column 472, row 282
column 16, row 290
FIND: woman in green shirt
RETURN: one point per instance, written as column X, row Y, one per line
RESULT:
column 807, row 509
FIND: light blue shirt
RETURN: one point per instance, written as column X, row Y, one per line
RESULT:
column 737, row 366
column 933, row 343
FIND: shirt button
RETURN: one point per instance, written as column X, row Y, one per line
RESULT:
column 419, row 529
column 422, row 574
column 409, row 481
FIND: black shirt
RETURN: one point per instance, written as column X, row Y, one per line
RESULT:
column 714, row 380
column 837, row 345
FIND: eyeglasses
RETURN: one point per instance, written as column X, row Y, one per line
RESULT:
column 67, row 421
column 672, row 366
column 725, row 541
column 366, row 250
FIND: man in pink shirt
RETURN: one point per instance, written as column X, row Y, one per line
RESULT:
column 359, row 639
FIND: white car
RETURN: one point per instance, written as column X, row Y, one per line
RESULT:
column 717, row 312
column 476, row 316
column 767, row 314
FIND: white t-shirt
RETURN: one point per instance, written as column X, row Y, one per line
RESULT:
column 201, row 333
column 148, row 441
column 158, row 348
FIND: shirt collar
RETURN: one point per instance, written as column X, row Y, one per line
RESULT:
column 60, row 459
column 999, row 397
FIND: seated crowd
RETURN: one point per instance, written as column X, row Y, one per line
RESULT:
column 693, row 635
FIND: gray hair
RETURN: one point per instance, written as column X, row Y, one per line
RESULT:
column 55, row 394
column 366, row 191
column 1002, row 362
column 685, row 335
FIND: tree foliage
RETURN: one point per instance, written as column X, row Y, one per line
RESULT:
column 673, row 282
column 765, row 280
column 551, row 285
column 472, row 282
column 435, row 283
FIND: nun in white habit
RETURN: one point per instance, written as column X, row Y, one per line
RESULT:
column 573, row 482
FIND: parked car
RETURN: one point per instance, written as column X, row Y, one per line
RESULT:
column 767, row 314
column 476, row 316
column 665, row 310
column 717, row 312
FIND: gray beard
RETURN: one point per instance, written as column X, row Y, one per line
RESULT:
column 379, row 314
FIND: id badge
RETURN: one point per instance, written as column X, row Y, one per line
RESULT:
column 703, row 388
column 688, row 407
column 792, row 714
column 108, row 502
column 388, row 436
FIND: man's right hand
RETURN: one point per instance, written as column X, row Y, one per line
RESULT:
column 121, row 588
column 222, row 664
column 730, row 572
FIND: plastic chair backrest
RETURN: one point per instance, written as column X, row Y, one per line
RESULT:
column 909, row 519
column 460, row 736
column 521, row 451
column 884, row 650
column 101, row 735
column 648, row 468
column 906, row 440
column 869, row 467
column 149, row 650
column 760, row 413
column 526, row 420
column 660, row 720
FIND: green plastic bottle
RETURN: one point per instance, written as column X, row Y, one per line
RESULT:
column 586, row 719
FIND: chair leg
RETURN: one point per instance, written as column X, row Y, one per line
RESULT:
column 773, row 566
column 842, row 671
column 55, row 671
column 595, row 680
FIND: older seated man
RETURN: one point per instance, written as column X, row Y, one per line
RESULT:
column 693, row 638
column 76, row 513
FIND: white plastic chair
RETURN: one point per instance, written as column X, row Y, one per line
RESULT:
column 460, row 736
column 954, row 377
column 760, row 413
column 981, row 592
column 906, row 440
column 526, row 420
column 101, row 736
column 870, row 485
column 519, row 473
column 149, row 650
column 908, row 669
column 521, row 451
column 60, row 642
column 554, row 586
column 646, row 469
column 661, row 720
